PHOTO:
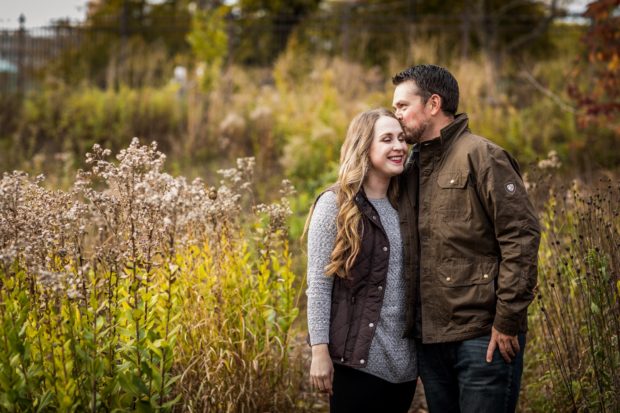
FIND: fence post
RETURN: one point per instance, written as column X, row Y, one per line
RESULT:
column 121, row 71
column 345, row 30
column 21, row 48
column 465, row 29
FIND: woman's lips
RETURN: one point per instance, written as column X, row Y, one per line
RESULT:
column 396, row 159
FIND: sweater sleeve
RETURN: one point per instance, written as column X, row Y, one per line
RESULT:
column 321, row 240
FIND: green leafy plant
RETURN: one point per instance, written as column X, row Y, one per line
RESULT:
column 138, row 291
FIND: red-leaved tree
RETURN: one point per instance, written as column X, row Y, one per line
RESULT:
column 596, row 88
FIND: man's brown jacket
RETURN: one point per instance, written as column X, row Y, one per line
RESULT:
column 470, row 233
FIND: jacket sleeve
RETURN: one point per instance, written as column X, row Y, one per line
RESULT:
column 517, row 233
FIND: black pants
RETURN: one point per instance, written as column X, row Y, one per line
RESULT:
column 356, row 391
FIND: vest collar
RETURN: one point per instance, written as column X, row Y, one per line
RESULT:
column 363, row 203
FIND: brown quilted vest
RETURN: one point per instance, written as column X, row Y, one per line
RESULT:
column 357, row 299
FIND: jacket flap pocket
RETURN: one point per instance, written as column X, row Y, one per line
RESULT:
column 456, row 179
column 461, row 273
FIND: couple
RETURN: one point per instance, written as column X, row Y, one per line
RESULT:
column 421, row 262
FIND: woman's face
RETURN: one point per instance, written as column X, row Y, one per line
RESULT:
column 388, row 148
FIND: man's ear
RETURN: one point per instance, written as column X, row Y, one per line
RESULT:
column 435, row 103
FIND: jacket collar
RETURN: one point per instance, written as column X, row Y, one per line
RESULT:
column 454, row 129
column 447, row 135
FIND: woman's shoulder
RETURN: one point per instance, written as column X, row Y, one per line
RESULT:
column 328, row 195
column 324, row 213
column 327, row 200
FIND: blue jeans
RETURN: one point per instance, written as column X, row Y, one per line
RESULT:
column 457, row 378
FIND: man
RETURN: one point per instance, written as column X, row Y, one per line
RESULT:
column 470, row 239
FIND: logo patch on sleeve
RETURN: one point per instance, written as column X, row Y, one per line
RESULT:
column 510, row 188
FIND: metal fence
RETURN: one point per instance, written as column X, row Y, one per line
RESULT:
column 24, row 53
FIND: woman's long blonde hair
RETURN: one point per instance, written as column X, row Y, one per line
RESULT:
column 354, row 165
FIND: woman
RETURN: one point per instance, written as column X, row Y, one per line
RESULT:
column 356, row 290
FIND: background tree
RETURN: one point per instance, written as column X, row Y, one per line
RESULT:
column 596, row 82
column 263, row 27
column 372, row 30
column 209, row 42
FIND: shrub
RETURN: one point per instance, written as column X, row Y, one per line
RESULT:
column 136, row 290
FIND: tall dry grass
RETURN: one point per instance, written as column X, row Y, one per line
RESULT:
column 136, row 290
column 573, row 354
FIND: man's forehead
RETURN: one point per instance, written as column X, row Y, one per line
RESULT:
column 405, row 89
column 409, row 86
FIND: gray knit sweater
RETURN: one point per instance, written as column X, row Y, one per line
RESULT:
column 391, row 357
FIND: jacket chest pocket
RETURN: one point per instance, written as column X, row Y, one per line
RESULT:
column 451, row 198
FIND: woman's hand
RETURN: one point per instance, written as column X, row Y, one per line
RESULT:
column 321, row 369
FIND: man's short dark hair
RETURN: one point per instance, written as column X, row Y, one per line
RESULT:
column 431, row 80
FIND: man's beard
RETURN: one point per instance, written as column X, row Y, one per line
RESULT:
column 413, row 135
